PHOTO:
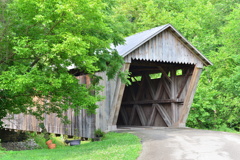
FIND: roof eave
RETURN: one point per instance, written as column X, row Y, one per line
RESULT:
column 205, row 61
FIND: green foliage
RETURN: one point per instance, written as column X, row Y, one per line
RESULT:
column 114, row 146
column 212, row 26
column 218, row 95
column 41, row 140
column 39, row 40
column 99, row 133
column 1, row 148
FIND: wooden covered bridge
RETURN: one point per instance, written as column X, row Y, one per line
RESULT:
column 165, row 69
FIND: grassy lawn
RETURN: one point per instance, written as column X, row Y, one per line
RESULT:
column 114, row 146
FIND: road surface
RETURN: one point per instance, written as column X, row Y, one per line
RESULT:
column 186, row 144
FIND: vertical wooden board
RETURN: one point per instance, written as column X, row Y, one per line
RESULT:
column 72, row 122
column 152, row 116
column 147, row 109
column 124, row 115
column 189, row 96
column 132, row 115
column 141, row 115
column 23, row 121
column 69, row 125
column 70, row 115
column 117, row 100
column 164, row 114
column 173, row 95
column 159, row 46
column 84, row 123
column 80, row 123
column 93, row 122
column 171, row 54
column 49, row 123
column 33, row 124
column 151, row 49
column 158, row 121
column 168, row 109
column 101, row 111
column 113, row 88
column 165, row 47
column 145, row 51
column 20, row 120
column 155, row 47
column 133, row 55
column 75, row 125
column 141, row 53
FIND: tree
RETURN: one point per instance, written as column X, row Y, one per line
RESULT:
column 212, row 26
column 218, row 96
column 39, row 40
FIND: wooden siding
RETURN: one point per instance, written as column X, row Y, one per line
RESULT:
column 103, row 112
column 164, row 47
column 108, row 108
column 82, row 124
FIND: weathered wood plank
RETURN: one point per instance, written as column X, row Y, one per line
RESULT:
column 150, row 87
column 132, row 115
column 117, row 103
column 189, row 97
column 167, row 88
column 152, row 116
column 173, row 95
column 124, row 115
column 164, row 114
column 141, row 115
column 164, row 74
column 159, row 90
column 183, row 84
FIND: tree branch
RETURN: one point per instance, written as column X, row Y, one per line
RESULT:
column 4, row 60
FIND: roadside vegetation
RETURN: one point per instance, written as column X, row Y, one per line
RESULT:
column 113, row 146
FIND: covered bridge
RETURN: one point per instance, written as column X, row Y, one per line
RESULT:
column 165, row 69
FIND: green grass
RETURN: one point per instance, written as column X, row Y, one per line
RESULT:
column 114, row 146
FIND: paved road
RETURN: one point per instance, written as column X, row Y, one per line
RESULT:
column 187, row 144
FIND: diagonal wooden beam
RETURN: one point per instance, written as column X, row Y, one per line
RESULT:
column 164, row 74
column 183, row 84
column 152, row 116
column 150, row 87
column 124, row 115
column 162, row 111
column 167, row 88
column 159, row 90
column 189, row 97
column 141, row 115
column 133, row 112
column 118, row 94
